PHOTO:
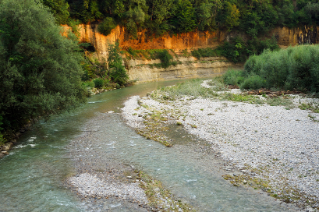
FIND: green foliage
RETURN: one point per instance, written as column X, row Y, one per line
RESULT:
column 86, row 10
column 253, row 82
column 190, row 88
column 206, row 52
column 237, row 50
column 162, row 54
column 165, row 58
column 117, row 70
column 60, row 9
column 184, row 20
column 40, row 69
column 292, row 68
column 233, row 77
column 232, row 17
column 253, row 17
column 98, row 83
column 74, row 26
column 92, row 68
column 106, row 26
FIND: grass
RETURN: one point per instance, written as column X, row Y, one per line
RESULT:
column 280, row 101
column 242, row 98
column 313, row 118
column 189, row 88
column 155, row 125
column 193, row 90
column 206, row 52
column 310, row 106
column 160, row 197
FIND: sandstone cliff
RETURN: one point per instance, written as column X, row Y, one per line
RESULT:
column 187, row 67
column 89, row 33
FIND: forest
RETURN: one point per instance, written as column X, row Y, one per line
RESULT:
column 252, row 17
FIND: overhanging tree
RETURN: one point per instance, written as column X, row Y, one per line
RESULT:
column 39, row 69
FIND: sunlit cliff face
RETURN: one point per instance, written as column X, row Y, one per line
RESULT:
column 191, row 40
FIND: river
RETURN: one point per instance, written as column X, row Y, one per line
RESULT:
column 32, row 176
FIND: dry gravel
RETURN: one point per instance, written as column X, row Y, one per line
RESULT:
column 280, row 145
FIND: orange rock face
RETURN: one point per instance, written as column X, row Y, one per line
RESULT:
column 192, row 40
column 89, row 33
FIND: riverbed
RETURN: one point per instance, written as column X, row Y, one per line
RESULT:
column 93, row 140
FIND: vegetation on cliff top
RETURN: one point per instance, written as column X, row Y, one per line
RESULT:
column 252, row 17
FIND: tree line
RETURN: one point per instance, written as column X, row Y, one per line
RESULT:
column 176, row 16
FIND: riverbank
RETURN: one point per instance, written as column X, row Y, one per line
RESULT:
column 274, row 147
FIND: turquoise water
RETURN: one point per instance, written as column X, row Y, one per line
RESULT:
column 32, row 176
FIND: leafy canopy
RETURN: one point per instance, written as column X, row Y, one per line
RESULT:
column 40, row 69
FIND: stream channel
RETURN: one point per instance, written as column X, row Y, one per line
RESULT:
column 32, row 176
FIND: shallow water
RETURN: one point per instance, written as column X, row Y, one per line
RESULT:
column 188, row 176
column 32, row 176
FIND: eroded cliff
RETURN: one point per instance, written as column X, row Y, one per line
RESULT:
column 187, row 67
column 88, row 33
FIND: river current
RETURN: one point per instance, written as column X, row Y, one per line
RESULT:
column 32, row 175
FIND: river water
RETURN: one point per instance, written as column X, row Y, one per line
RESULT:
column 32, row 176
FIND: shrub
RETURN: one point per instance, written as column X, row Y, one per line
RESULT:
column 88, row 84
column 106, row 26
column 292, row 68
column 117, row 71
column 165, row 58
column 233, row 77
column 206, row 52
column 132, row 52
column 196, row 53
column 98, row 83
column 85, row 76
column 253, row 82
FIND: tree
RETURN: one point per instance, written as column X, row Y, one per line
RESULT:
column 233, row 14
column 60, row 10
column 106, row 26
column 117, row 70
column 184, row 20
column 40, row 70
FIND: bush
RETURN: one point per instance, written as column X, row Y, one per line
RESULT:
column 196, row 53
column 88, row 84
column 85, row 76
column 233, row 77
column 165, row 58
column 253, row 82
column 106, row 26
column 98, row 83
column 206, row 52
column 292, row 68
column 117, row 71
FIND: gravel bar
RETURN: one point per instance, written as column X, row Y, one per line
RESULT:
column 282, row 144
